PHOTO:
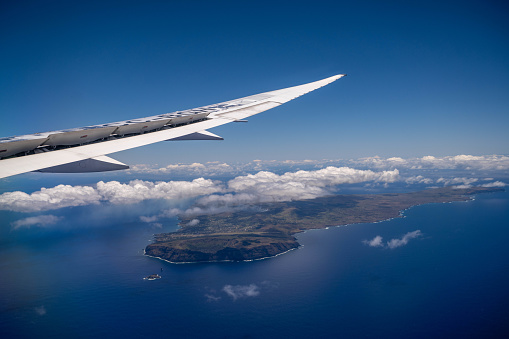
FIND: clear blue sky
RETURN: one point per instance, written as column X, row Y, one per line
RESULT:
column 424, row 78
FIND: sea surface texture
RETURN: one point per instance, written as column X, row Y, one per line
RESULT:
column 450, row 279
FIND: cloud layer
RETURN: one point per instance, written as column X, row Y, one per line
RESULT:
column 455, row 162
column 270, row 187
column 245, row 191
column 249, row 189
column 428, row 170
column 113, row 192
column 209, row 168
column 483, row 162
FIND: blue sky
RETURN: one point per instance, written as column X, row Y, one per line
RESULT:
column 424, row 78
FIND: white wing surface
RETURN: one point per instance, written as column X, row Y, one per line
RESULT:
column 84, row 149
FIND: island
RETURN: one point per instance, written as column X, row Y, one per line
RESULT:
column 152, row 277
column 269, row 229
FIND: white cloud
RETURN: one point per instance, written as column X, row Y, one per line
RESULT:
column 495, row 184
column 266, row 186
column 418, row 179
column 149, row 219
column 40, row 221
column 396, row 160
column 49, row 198
column 457, row 181
column 458, row 162
column 170, row 213
column 461, row 186
column 375, row 242
column 320, row 178
column 394, row 243
column 241, row 291
column 208, row 168
column 113, row 191
column 193, row 222
column 253, row 188
column 152, row 220
column 138, row 190
column 483, row 162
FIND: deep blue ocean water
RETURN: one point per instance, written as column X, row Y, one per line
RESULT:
column 450, row 282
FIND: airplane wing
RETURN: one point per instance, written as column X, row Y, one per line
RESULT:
column 84, row 149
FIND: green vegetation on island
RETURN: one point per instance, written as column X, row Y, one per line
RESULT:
column 269, row 230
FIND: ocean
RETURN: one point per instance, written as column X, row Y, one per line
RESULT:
column 451, row 281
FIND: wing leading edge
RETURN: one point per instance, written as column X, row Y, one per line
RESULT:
column 84, row 149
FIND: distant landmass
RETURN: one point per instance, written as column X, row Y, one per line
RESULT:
column 152, row 277
column 270, row 230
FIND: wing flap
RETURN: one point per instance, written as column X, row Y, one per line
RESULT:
column 97, row 164
column 203, row 135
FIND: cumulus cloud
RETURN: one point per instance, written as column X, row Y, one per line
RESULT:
column 265, row 186
column 455, row 162
column 113, row 191
column 302, row 181
column 375, row 242
column 394, row 243
column 49, row 198
column 170, row 213
column 483, row 162
column 495, row 184
column 270, row 187
column 193, row 222
column 152, row 220
column 245, row 191
column 149, row 219
column 208, row 168
column 467, row 182
column 139, row 190
column 418, row 179
column 241, row 291
column 249, row 189
column 424, row 170
column 39, row 221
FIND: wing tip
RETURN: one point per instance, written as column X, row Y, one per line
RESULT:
column 338, row 76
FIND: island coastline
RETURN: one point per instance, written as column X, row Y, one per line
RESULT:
column 254, row 235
